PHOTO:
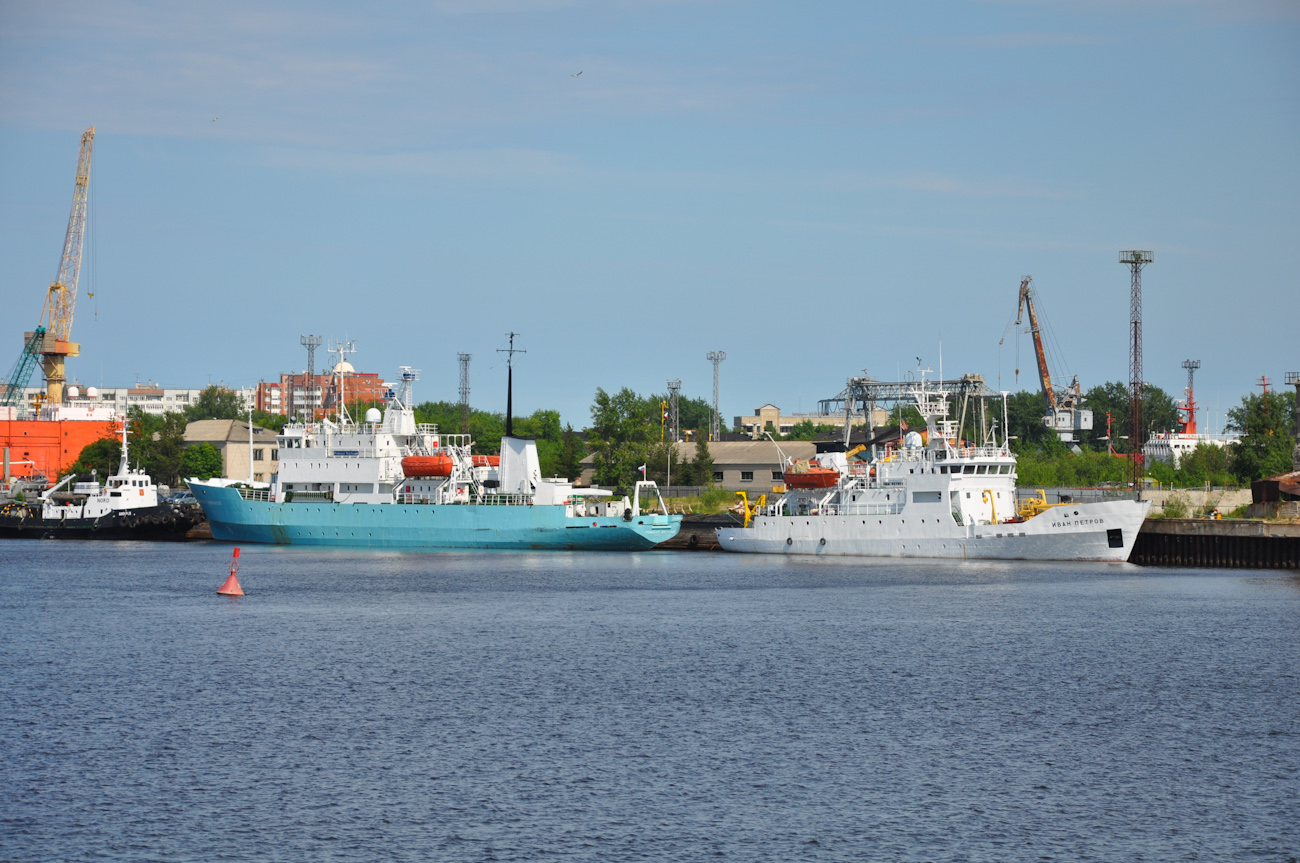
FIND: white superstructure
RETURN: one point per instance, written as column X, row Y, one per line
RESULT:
column 125, row 490
column 931, row 497
column 391, row 459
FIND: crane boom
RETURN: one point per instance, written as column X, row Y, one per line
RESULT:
column 16, row 383
column 1044, row 376
column 61, row 300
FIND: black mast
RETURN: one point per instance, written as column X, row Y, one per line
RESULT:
column 510, row 381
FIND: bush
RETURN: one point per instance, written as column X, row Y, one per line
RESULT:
column 1176, row 506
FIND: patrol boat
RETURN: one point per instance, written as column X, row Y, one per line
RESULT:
column 390, row 482
column 933, row 496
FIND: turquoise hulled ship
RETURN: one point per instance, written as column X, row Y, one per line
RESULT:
column 389, row 482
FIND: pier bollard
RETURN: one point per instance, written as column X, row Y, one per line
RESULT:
column 231, row 587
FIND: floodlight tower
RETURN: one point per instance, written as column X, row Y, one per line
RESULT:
column 1189, row 426
column 1293, row 379
column 674, row 418
column 464, row 392
column 716, row 357
column 1136, row 260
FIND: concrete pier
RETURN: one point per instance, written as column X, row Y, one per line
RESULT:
column 1227, row 544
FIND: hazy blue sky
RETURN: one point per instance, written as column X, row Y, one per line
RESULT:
column 814, row 188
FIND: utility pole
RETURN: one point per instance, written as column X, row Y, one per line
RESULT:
column 674, row 418
column 464, row 392
column 716, row 357
column 311, row 343
column 1136, row 260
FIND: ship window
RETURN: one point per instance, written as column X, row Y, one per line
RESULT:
column 1006, row 468
column 970, row 468
column 981, row 469
column 746, row 476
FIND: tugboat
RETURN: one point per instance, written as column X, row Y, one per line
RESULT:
column 126, row 506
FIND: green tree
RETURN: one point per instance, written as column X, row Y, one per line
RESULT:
column 274, row 422
column 216, row 403
column 1025, row 421
column 101, row 456
column 568, row 462
column 1265, row 420
column 1159, row 413
column 702, row 465
column 806, row 430
column 623, row 425
column 663, row 462
column 201, row 461
column 1206, row 464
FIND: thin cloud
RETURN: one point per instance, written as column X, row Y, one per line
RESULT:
column 938, row 183
column 1014, row 40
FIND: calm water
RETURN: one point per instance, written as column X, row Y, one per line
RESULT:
column 640, row 707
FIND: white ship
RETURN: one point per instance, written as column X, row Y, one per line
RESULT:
column 1171, row 446
column 931, row 497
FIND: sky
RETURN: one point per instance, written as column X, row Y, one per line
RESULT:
column 815, row 189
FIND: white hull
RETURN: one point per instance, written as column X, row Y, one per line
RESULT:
column 1090, row 531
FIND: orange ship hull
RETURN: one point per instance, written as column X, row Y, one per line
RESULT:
column 50, row 445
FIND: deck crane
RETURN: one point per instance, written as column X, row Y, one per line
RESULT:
column 1063, row 411
column 52, row 339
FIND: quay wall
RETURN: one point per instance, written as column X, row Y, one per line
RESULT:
column 1228, row 544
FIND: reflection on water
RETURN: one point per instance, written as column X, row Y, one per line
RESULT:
column 484, row 706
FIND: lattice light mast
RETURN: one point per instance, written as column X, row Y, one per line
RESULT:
column 464, row 391
column 1189, row 425
column 674, row 417
column 1135, row 260
column 1293, row 379
column 61, row 301
column 716, row 357
column 311, row 343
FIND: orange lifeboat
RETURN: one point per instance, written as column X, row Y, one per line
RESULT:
column 815, row 477
column 486, row 460
column 427, row 465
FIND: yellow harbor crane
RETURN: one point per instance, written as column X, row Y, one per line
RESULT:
column 61, row 300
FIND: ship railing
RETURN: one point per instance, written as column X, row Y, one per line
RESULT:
column 862, row 509
column 419, row 498
column 255, row 494
column 304, row 496
column 505, row 499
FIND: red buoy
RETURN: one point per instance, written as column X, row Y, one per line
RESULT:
column 231, row 587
